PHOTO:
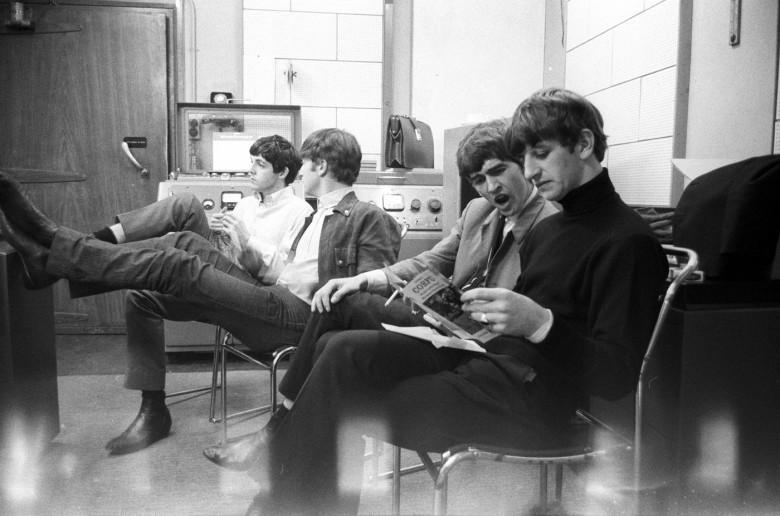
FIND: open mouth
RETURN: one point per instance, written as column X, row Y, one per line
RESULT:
column 501, row 199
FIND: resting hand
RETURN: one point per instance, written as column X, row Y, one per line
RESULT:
column 506, row 312
column 215, row 220
column 335, row 290
column 237, row 229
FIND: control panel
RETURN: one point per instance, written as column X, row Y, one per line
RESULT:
column 214, row 194
column 418, row 206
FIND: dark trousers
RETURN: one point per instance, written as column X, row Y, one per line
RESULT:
column 401, row 390
column 360, row 311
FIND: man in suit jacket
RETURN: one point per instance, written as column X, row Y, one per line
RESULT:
column 481, row 250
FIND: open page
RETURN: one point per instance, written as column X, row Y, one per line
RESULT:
column 434, row 293
column 435, row 338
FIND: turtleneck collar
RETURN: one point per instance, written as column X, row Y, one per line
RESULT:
column 587, row 197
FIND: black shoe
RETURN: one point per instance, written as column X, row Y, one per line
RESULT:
column 152, row 423
column 34, row 256
column 23, row 214
column 240, row 454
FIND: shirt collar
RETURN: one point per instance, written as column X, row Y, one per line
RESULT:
column 331, row 199
column 276, row 197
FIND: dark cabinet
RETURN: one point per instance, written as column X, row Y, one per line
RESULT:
column 29, row 408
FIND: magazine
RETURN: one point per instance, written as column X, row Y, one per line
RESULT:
column 435, row 294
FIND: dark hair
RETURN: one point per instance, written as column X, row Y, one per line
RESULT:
column 280, row 154
column 339, row 148
column 483, row 142
column 555, row 114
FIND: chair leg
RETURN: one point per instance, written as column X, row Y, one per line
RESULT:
column 272, row 386
column 396, row 480
column 278, row 357
column 543, row 488
column 440, row 491
column 448, row 463
column 199, row 390
column 376, row 451
column 215, row 374
column 223, row 408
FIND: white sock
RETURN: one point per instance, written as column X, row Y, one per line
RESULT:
column 119, row 233
column 288, row 404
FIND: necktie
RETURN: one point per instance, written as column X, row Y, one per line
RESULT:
column 480, row 275
column 498, row 237
column 294, row 246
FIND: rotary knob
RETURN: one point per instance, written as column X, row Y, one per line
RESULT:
column 434, row 205
column 415, row 205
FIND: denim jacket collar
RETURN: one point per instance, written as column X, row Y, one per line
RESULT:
column 346, row 204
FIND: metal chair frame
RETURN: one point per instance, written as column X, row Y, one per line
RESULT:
column 214, row 385
column 227, row 345
column 557, row 458
column 224, row 343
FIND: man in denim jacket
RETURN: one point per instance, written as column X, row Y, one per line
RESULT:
column 344, row 237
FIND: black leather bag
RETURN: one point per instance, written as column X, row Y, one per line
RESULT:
column 731, row 217
column 408, row 144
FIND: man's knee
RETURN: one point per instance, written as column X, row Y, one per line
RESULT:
column 348, row 351
column 188, row 202
column 139, row 301
column 188, row 241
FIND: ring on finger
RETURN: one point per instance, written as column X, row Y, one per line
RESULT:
column 484, row 319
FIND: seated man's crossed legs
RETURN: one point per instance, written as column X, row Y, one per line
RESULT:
column 362, row 311
column 403, row 391
column 223, row 293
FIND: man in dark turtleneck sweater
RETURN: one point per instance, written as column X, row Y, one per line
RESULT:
column 576, row 324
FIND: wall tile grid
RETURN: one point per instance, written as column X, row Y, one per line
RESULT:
column 622, row 54
column 334, row 48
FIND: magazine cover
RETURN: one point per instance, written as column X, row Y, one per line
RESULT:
column 434, row 293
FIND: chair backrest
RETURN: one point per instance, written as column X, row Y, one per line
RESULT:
column 688, row 262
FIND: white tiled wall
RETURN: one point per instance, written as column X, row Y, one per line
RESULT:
column 646, row 43
column 622, row 54
column 335, row 49
column 640, row 171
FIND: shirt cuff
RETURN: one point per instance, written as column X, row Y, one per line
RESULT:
column 377, row 281
column 540, row 334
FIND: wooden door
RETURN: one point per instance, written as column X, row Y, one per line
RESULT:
column 73, row 89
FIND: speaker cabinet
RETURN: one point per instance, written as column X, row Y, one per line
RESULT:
column 457, row 191
column 29, row 408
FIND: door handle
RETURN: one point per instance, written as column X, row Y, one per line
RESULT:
column 144, row 171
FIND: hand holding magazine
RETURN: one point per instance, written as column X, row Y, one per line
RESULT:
column 440, row 299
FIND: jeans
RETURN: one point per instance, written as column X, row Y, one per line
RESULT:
column 191, row 280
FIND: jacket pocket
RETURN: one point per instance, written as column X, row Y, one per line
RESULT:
column 346, row 260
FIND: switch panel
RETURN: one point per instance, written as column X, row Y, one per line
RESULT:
column 418, row 206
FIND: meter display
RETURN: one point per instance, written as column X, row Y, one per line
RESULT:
column 393, row 202
column 230, row 199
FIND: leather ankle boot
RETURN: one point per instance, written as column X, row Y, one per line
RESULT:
column 152, row 423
